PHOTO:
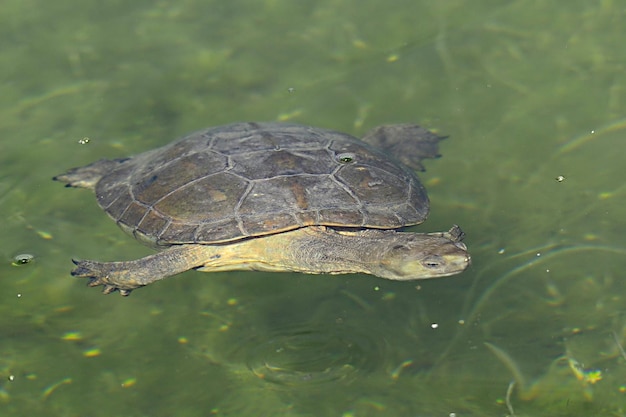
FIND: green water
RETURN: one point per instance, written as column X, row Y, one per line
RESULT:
column 527, row 91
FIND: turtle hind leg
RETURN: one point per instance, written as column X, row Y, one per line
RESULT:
column 409, row 143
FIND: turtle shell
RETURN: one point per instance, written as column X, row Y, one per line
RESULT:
column 252, row 179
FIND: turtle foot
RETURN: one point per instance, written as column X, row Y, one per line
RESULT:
column 99, row 273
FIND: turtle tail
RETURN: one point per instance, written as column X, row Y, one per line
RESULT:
column 89, row 175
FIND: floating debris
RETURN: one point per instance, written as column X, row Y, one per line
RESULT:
column 283, row 117
column 44, row 235
column 395, row 374
column 508, row 362
column 590, row 376
column 48, row 391
column 129, row 382
column 619, row 345
column 592, row 135
column 92, row 353
column 64, row 309
column 388, row 296
column 507, row 400
column 72, row 336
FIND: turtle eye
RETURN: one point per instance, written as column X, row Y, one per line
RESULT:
column 345, row 158
column 432, row 262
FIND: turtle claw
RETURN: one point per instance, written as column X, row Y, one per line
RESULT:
column 95, row 271
column 107, row 289
column 93, row 282
column 98, row 274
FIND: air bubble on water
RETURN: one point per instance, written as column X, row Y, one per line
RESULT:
column 22, row 259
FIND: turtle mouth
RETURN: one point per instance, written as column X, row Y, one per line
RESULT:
column 463, row 247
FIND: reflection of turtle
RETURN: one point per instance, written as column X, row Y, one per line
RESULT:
column 272, row 197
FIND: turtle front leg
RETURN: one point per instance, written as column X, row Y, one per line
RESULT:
column 112, row 276
column 128, row 275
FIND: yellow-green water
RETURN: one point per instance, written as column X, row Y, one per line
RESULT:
column 527, row 91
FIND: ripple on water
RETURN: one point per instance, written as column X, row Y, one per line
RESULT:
column 305, row 355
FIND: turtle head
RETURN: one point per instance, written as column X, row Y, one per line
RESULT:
column 412, row 256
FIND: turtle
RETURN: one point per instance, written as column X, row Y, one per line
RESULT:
column 273, row 196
